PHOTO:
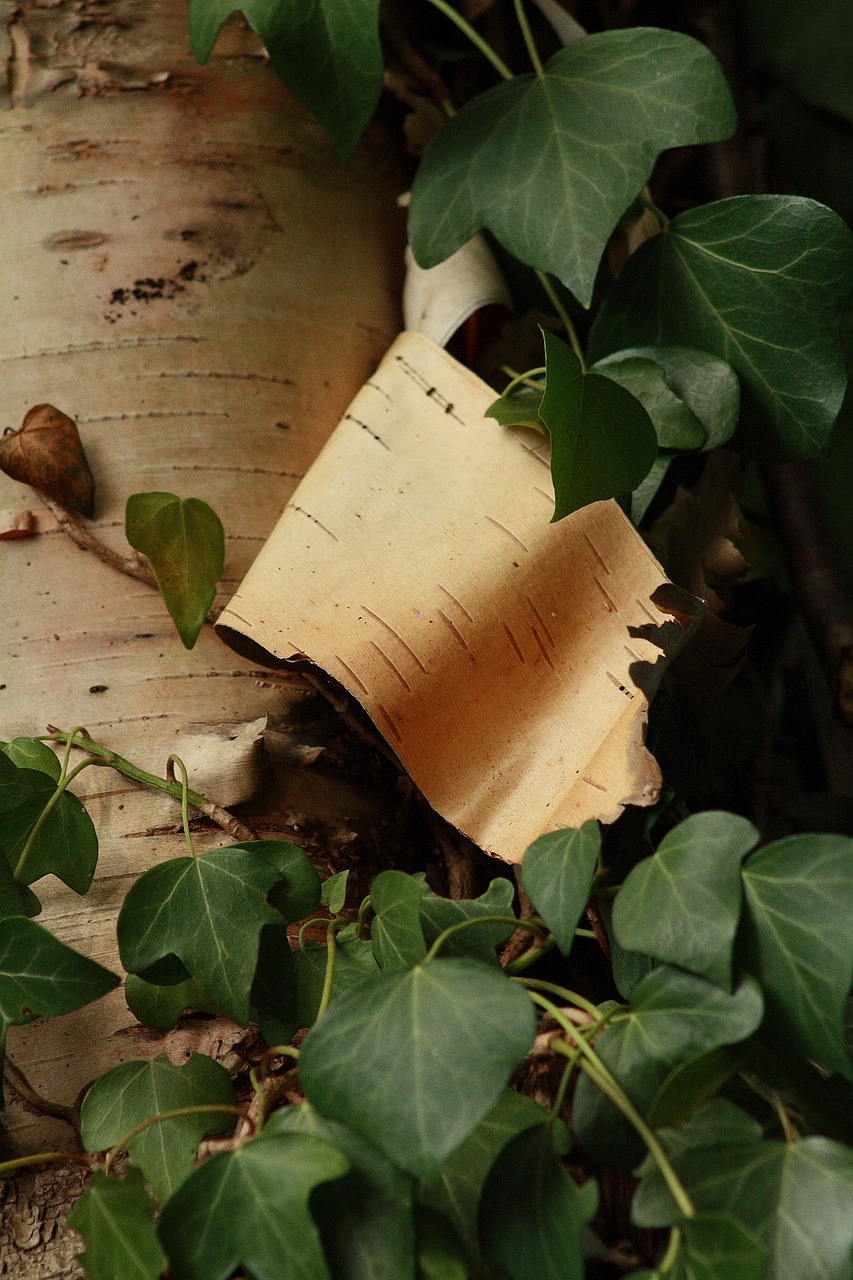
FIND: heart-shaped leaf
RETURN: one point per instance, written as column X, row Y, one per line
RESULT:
column 327, row 53
column 160, row 1007
column 16, row 899
column 694, row 1083
column 185, row 542
column 388, row 1055
column 673, row 1016
column 298, row 892
column 208, row 912
column 273, row 993
column 713, row 1246
column 133, row 1092
column 249, row 1209
column 518, row 409
column 354, row 961
column 15, row 789
column 40, row 975
column 602, row 440
column 761, row 282
column 365, row 1218
column 682, row 905
column 46, row 453
column 479, row 941
column 116, row 1220
column 396, row 932
column 29, row 753
column 798, row 941
column 65, row 845
column 333, row 892
column 557, row 875
column 550, row 163
column 534, row 1236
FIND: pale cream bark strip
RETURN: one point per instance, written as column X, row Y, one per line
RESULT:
column 501, row 656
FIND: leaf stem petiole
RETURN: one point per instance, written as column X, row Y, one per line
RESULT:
column 331, row 950
column 527, row 35
column 526, row 379
column 185, row 787
column 474, row 36
column 175, row 1114
column 556, row 303
column 533, row 923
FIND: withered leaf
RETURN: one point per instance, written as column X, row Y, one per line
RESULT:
column 47, row 454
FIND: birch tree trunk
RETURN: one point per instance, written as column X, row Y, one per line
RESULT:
column 187, row 272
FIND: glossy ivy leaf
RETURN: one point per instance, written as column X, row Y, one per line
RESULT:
column 557, row 874
column 116, row 1220
column 65, row 846
column 333, row 892
column 455, row 1192
column 160, row 1007
column 16, row 899
column 389, row 1054
column 365, row 1218
column 717, row 1123
column 602, row 440
column 327, row 52
column 354, row 961
column 249, row 1209
column 761, row 282
column 550, row 163
column 531, row 1212
column 479, row 942
column 40, row 975
column 208, row 912
column 184, row 540
column 396, row 933
column 518, row 409
column 298, row 890
column 692, row 398
column 797, row 1198
column 273, row 993
column 694, row 1083
column 440, row 1253
column 673, row 1016
column 133, row 1092
column 14, row 786
column 29, row 753
column 798, row 941
column 714, row 1246
column 682, row 905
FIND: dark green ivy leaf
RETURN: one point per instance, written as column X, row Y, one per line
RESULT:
column 184, row 540
column 208, row 912
column 40, row 975
column 160, row 1007
column 327, row 52
column 14, row 787
column 354, row 961
column 396, row 933
column 16, row 899
column 116, row 1220
column 390, row 1054
column 557, row 875
column 798, row 941
column 550, row 163
column 713, row 1246
column 761, row 282
column 29, row 753
column 518, row 409
column 333, row 892
column 440, row 1253
column 66, row 845
column 298, row 891
column 249, row 1208
column 133, row 1092
column 479, row 941
column 603, row 442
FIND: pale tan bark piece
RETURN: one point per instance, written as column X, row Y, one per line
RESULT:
column 500, row 655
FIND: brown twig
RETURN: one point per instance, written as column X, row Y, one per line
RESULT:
column 25, row 1091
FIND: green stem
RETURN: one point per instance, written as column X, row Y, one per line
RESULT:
column 525, row 378
column 561, row 311
column 529, row 957
column 46, row 1157
column 185, row 787
column 362, row 912
column 570, row 997
column 176, row 1113
column 45, row 814
column 528, row 38
column 474, row 36
column 667, row 1262
column 586, row 933
column 331, row 950
column 534, row 923
column 280, row 1051
column 67, row 754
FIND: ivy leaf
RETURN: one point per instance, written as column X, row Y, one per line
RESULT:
column 396, row 933
column 673, row 1016
column 480, row 941
column 298, row 892
column 273, row 993
column 557, row 874
column 66, row 845
column 809, row 50
column 158, row 1006
column 602, row 440
column 713, row 1246
column 550, row 163
column 440, row 1253
column 761, row 282
column 518, row 409
column 184, row 540
column 682, row 905
column 798, row 941
column 354, row 961
column 797, row 1198
column 40, row 975
column 208, row 912
column 47, row 453
column 365, row 1218
column 29, row 753
column 14, row 787
column 717, row 1123
column 694, row 1083
column 327, row 52
column 389, row 1054
column 531, row 1212
column 16, row 899
column 116, row 1220
column 455, row 1192
column 333, row 892
column 133, row 1092
column 249, row 1209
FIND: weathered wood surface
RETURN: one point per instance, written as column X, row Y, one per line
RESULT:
column 187, row 272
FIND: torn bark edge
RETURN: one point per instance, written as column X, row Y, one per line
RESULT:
column 820, row 587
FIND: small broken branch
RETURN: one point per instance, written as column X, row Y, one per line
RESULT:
column 15, row 1077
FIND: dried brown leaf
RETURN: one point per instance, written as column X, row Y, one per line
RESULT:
column 47, row 454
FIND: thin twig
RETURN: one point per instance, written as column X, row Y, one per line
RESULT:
column 19, row 1082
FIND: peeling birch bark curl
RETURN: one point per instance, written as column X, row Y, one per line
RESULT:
column 508, row 662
